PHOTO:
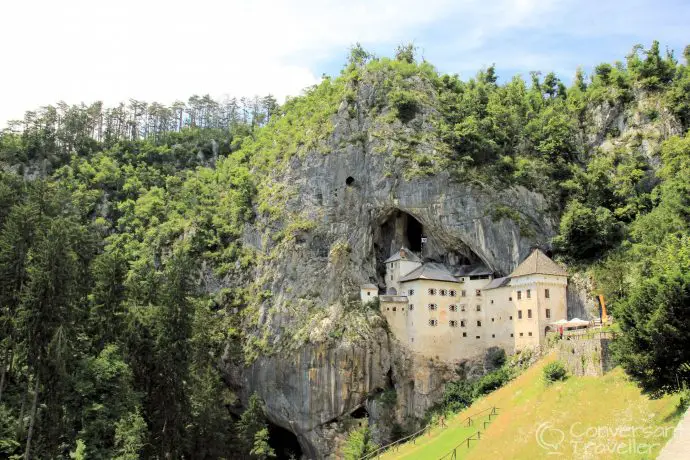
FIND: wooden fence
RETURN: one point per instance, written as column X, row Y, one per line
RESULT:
column 395, row 445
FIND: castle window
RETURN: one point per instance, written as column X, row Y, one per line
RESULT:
column 453, row 307
column 433, row 322
column 453, row 323
column 411, row 307
column 529, row 313
column 394, row 309
column 462, row 323
column 391, row 277
column 492, row 301
column 443, row 292
column 410, row 292
column 493, row 336
column 511, row 316
column 529, row 294
column 462, row 308
column 433, row 307
column 548, row 313
column 530, row 334
column 512, row 335
column 479, row 308
column 519, row 314
column 431, row 291
column 521, row 334
column 519, row 295
column 479, row 324
column 492, row 320
column 546, row 293
column 510, row 299
column 478, row 292
column 463, row 293
column 479, row 337
column 452, row 292
column 464, row 334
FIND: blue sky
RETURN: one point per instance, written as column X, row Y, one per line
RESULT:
column 163, row 50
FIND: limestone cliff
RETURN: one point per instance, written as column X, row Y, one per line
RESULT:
column 342, row 206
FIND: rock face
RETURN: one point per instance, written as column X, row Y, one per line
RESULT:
column 310, row 391
column 360, row 206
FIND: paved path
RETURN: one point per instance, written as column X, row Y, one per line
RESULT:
column 679, row 445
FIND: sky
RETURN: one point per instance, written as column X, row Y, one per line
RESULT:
column 166, row 50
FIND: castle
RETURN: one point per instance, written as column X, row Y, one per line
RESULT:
column 454, row 313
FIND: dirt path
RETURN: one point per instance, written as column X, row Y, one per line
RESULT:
column 679, row 445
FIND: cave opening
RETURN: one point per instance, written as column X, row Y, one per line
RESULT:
column 360, row 412
column 397, row 228
column 284, row 442
column 414, row 232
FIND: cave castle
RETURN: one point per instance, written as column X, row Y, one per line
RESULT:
column 455, row 313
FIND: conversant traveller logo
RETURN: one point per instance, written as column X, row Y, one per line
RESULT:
column 580, row 440
column 550, row 438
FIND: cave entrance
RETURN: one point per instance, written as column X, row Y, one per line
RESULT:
column 413, row 232
column 360, row 412
column 397, row 229
column 284, row 442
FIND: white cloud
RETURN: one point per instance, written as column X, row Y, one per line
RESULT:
column 162, row 50
column 81, row 50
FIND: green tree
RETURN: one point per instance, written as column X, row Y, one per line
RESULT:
column 130, row 436
column 654, row 319
column 586, row 233
column 251, row 422
column 359, row 443
column 261, row 449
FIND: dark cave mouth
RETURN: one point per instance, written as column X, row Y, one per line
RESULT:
column 284, row 442
column 398, row 228
column 414, row 231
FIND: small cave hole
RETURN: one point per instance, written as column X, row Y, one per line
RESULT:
column 360, row 412
column 284, row 442
column 349, row 181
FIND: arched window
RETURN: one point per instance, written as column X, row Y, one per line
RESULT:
column 452, row 292
column 453, row 323
column 443, row 292
column 433, row 307
column 433, row 322
column 431, row 291
column 453, row 307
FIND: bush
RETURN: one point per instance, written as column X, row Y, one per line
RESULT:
column 458, row 395
column 492, row 381
column 554, row 371
column 359, row 443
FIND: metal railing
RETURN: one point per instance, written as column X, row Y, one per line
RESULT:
column 396, row 444
column 589, row 335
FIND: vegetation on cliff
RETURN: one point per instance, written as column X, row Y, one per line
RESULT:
column 126, row 275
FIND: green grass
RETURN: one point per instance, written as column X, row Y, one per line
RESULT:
column 592, row 413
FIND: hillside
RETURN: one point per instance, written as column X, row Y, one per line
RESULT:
column 181, row 281
column 537, row 420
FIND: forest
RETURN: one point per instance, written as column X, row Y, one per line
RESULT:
column 114, row 222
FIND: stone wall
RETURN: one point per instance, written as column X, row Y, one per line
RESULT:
column 587, row 355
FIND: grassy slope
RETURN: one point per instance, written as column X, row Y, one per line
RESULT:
column 610, row 403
